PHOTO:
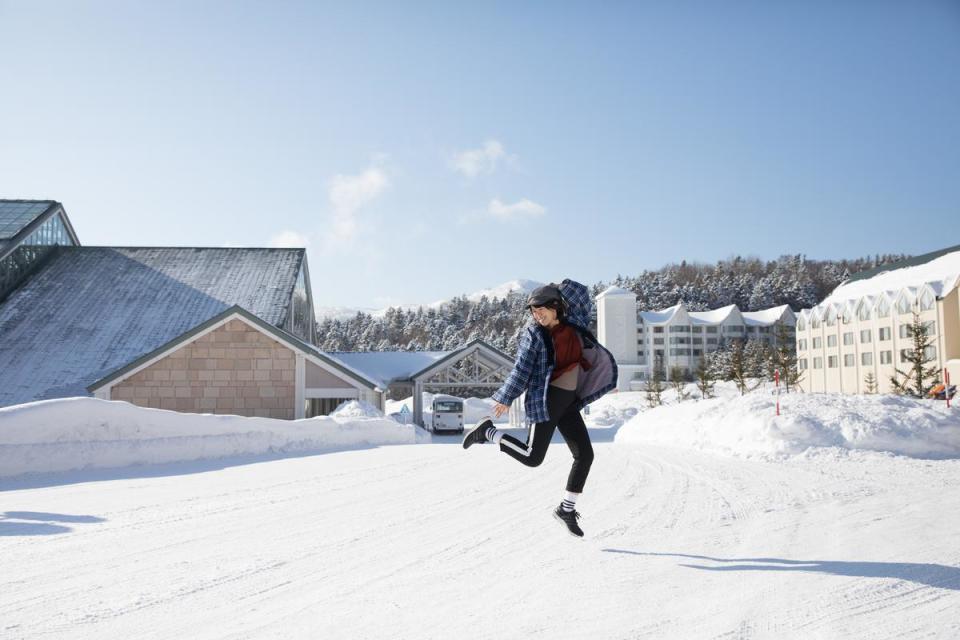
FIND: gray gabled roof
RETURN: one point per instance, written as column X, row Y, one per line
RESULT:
column 404, row 366
column 92, row 310
column 236, row 310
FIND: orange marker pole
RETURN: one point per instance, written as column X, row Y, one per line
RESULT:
column 776, row 378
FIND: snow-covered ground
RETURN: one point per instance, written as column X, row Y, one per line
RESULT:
column 691, row 533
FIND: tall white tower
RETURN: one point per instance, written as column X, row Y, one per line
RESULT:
column 617, row 324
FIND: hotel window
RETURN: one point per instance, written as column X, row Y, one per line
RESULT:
column 751, row 329
column 926, row 301
column 884, row 333
column 640, row 352
column 849, row 360
column 679, row 352
column 864, row 310
column 697, row 340
column 883, row 308
column 817, row 342
column 905, row 354
column 698, row 352
column 802, row 344
column 886, row 357
column 832, row 362
column 698, row 329
column 903, row 305
column 866, row 358
column 658, row 341
column 658, row 329
column 802, row 363
column 865, row 336
column 801, row 325
column 680, row 328
column 831, row 340
column 831, row 318
column 733, row 329
column 848, row 337
column 681, row 340
column 931, row 327
column 846, row 315
column 906, row 331
column 711, row 329
column 930, row 353
column 711, row 341
column 815, row 322
column 818, row 363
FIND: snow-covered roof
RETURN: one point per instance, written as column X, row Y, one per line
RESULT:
column 715, row 316
column 766, row 317
column 615, row 291
column 92, row 310
column 388, row 366
column 941, row 272
column 660, row 317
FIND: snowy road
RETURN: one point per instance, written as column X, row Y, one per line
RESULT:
column 430, row 541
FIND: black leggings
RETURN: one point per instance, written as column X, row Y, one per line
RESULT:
column 564, row 416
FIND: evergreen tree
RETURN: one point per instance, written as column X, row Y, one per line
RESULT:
column 785, row 357
column 705, row 379
column 740, row 367
column 678, row 381
column 655, row 386
column 919, row 378
column 870, row 381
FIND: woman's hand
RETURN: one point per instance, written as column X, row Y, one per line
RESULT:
column 499, row 409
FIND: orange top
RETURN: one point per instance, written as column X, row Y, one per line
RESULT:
column 567, row 350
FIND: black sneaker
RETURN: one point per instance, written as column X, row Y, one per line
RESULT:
column 478, row 434
column 569, row 518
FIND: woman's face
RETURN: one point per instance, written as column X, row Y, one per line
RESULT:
column 544, row 315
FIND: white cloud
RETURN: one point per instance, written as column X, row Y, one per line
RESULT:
column 287, row 238
column 520, row 209
column 473, row 162
column 348, row 195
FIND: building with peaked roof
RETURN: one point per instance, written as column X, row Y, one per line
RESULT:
column 476, row 365
column 220, row 330
column 675, row 336
column 861, row 328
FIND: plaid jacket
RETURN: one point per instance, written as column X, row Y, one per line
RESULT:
column 535, row 360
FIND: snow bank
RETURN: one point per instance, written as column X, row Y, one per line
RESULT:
column 356, row 409
column 79, row 433
column 747, row 425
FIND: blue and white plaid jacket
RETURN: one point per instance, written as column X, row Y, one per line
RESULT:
column 535, row 360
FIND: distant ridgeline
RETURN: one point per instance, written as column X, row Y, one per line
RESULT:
column 749, row 283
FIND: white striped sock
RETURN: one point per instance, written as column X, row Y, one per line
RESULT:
column 493, row 435
column 569, row 501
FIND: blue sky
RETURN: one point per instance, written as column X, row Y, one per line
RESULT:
column 421, row 150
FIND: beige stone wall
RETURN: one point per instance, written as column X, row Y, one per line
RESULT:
column 234, row 369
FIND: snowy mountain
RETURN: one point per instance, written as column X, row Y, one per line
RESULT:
column 500, row 291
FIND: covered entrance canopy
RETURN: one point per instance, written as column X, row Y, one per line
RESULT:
column 475, row 366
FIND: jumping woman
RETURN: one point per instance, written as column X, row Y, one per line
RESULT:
column 562, row 368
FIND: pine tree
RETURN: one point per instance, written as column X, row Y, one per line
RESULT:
column 655, row 387
column 785, row 356
column 870, row 381
column 705, row 379
column 919, row 378
column 739, row 367
column 678, row 382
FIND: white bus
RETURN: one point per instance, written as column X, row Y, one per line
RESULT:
column 447, row 414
